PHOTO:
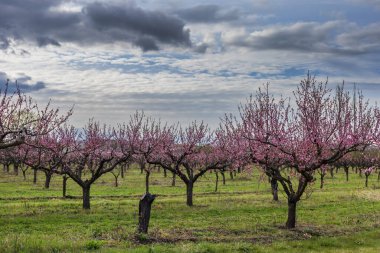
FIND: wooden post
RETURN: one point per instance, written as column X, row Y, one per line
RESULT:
column 144, row 212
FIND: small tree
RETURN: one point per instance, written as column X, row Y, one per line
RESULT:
column 367, row 173
column 46, row 154
column 93, row 152
column 186, row 152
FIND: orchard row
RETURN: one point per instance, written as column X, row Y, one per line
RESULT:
column 291, row 140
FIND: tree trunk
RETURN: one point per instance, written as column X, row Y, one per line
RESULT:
column 378, row 176
column 223, row 177
column 332, row 172
column 64, row 186
column 34, row 176
column 145, row 205
column 116, row 181
column 274, row 186
column 173, row 179
column 346, row 171
column 231, row 175
column 322, row 180
column 4, row 167
column 147, row 181
column 86, row 196
column 24, row 174
column 291, row 222
column 165, row 174
column 15, row 169
column 7, row 167
column 122, row 171
column 366, row 180
column 48, row 179
column 189, row 193
column 216, row 181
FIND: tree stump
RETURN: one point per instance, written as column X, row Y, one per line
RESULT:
column 144, row 212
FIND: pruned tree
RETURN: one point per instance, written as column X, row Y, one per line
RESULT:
column 93, row 152
column 322, row 128
column 186, row 152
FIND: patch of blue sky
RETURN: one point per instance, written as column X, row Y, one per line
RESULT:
column 122, row 56
column 169, row 55
column 149, row 67
column 285, row 73
column 226, row 73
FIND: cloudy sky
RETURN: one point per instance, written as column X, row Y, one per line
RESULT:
column 183, row 60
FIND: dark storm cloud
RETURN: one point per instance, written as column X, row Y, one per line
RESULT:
column 303, row 36
column 146, row 44
column 163, row 27
column 365, row 39
column 207, row 14
column 311, row 37
column 42, row 22
column 33, row 18
column 24, row 82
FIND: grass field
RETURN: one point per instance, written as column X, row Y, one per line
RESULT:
column 240, row 217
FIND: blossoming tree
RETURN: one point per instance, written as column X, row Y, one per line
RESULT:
column 321, row 128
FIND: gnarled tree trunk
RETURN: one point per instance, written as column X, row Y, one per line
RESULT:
column 122, row 170
column 292, row 207
column 274, row 186
column 64, row 185
column 173, row 179
column 293, row 198
column 223, row 177
column 189, row 193
column 322, row 179
column 15, row 168
column 34, row 176
column 48, row 175
column 346, row 172
column 86, row 196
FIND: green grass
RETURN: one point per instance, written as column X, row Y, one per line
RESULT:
column 240, row 217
